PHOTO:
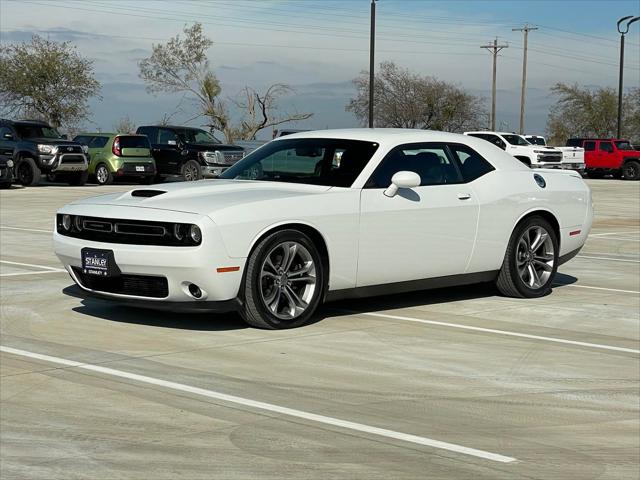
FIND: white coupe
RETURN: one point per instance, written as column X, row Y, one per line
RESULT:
column 331, row 214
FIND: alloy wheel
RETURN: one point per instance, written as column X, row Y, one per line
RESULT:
column 102, row 174
column 535, row 257
column 287, row 280
column 190, row 173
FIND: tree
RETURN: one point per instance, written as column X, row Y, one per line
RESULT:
column 403, row 99
column 181, row 66
column 46, row 79
column 591, row 112
column 124, row 125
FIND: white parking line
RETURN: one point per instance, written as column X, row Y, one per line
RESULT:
column 610, row 259
column 499, row 332
column 18, row 274
column 382, row 432
column 612, row 233
column 43, row 267
column 598, row 288
column 4, row 227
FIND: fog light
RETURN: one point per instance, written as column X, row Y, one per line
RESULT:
column 195, row 234
column 194, row 290
column 66, row 222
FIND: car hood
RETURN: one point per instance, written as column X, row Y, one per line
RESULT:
column 52, row 141
column 204, row 147
column 204, row 196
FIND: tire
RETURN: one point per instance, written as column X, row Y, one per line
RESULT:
column 515, row 278
column 27, row 172
column 631, row 170
column 190, row 171
column 102, row 175
column 266, row 302
column 78, row 179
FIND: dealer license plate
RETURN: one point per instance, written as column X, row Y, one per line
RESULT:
column 100, row 263
column 139, row 168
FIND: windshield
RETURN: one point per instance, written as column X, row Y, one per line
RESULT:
column 515, row 140
column 37, row 131
column 536, row 140
column 623, row 145
column 194, row 135
column 315, row 161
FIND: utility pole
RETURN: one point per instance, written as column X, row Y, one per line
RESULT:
column 494, row 48
column 623, row 29
column 526, row 29
column 372, row 46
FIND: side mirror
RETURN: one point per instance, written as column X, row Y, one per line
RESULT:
column 400, row 180
column 7, row 136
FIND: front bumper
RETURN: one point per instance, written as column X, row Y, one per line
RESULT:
column 213, row 171
column 180, row 266
column 64, row 162
column 579, row 167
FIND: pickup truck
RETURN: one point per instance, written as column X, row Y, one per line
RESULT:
column 533, row 156
column 191, row 153
column 607, row 156
column 37, row 149
column 572, row 157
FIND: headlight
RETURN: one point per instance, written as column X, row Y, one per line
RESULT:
column 85, row 149
column 47, row 149
column 9, row 163
column 195, row 234
column 66, row 222
column 538, row 151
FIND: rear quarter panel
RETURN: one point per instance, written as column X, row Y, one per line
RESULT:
column 506, row 197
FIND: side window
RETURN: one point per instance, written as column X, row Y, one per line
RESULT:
column 150, row 132
column 429, row 160
column 606, row 147
column 98, row 142
column 167, row 137
column 589, row 146
column 472, row 164
column 497, row 141
column 83, row 139
column 5, row 131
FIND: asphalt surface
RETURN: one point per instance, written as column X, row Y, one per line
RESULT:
column 537, row 389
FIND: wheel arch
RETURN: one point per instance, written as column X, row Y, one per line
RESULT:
column 547, row 215
column 310, row 230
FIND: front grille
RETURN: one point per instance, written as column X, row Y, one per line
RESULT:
column 71, row 158
column 550, row 158
column 131, row 232
column 125, row 284
column 232, row 156
column 64, row 149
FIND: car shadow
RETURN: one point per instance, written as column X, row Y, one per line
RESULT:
column 106, row 310
column 113, row 312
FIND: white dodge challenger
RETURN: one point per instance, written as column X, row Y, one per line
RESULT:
column 324, row 215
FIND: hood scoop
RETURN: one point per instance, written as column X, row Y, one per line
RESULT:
column 147, row 193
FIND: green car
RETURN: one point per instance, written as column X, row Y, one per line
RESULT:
column 115, row 155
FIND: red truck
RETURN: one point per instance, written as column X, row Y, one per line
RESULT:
column 607, row 156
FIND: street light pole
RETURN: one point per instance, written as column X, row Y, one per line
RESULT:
column 622, row 30
column 372, row 47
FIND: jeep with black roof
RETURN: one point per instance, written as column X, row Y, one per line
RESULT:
column 38, row 149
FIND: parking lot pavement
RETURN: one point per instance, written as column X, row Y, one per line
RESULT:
column 456, row 383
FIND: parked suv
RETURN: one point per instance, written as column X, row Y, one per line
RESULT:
column 533, row 156
column 6, row 171
column 191, row 153
column 37, row 148
column 113, row 156
column 604, row 156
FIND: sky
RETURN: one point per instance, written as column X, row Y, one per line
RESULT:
column 319, row 46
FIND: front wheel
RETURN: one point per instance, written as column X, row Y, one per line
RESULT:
column 531, row 260
column 28, row 173
column 631, row 170
column 284, row 281
column 191, row 171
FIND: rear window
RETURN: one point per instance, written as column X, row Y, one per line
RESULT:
column 138, row 141
column 623, row 145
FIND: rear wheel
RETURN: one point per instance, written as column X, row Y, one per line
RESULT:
column 191, row 171
column 284, row 281
column 531, row 260
column 103, row 175
column 27, row 172
column 631, row 170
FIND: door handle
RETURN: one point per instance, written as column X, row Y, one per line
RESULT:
column 464, row 196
